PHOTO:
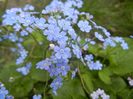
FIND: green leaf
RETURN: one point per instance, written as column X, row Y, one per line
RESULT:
column 113, row 89
column 118, row 84
column 87, row 79
column 104, row 75
column 40, row 75
column 20, row 87
column 71, row 89
column 130, row 95
column 125, row 93
column 9, row 71
column 121, row 61
column 86, row 76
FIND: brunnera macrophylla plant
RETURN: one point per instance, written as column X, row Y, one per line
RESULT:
column 68, row 32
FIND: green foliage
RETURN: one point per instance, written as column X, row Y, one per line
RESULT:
column 117, row 67
column 112, row 77
column 117, row 16
column 87, row 80
column 104, row 75
column 72, row 89
column 39, row 75
column 121, row 61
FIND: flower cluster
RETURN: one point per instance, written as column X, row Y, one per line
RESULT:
column 4, row 92
column 59, row 24
column 24, row 70
column 99, row 93
column 22, row 54
column 93, row 65
column 84, row 26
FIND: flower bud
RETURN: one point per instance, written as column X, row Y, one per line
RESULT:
column 51, row 46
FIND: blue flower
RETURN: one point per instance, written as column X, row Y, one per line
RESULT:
column 89, row 57
column 71, row 13
column 53, row 70
column 103, row 29
column 54, row 6
column 84, row 26
column 108, row 42
column 57, row 66
column 95, row 65
column 28, row 20
column 19, row 60
column 62, row 67
column 99, row 36
column 9, row 19
column 62, row 52
column 44, row 64
column 64, row 24
column 17, row 27
column 56, row 84
column 13, row 37
column 85, row 47
column 24, row 33
column 52, row 32
column 74, row 73
column 40, row 23
column 99, row 93
column 72, row 33
column 24, row 70
column 4, row 92
column 37, row 97
column 61, row 38
column 78, row 3
column 77, row 51
column 123, row 44
column 91, row 64
column 131, row 36
column 23, row 54
column 29, row 29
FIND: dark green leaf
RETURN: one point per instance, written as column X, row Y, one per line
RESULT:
column 39, row 75
column 71, row 90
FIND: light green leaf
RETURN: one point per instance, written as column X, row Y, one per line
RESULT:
column 104, row 75
column 121, row 61
column 87, row 79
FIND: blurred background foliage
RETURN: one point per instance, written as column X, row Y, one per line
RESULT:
column 115, row 15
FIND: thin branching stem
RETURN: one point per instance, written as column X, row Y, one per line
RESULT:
column 82, row 81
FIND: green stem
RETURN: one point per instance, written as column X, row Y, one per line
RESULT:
column 35, row 39
column 45, row 52
column 82, row 81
